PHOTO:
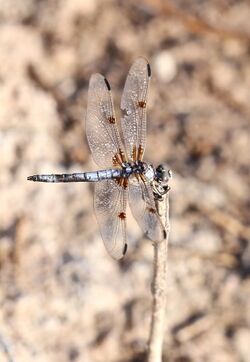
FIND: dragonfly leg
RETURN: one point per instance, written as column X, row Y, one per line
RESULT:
column 159, row 189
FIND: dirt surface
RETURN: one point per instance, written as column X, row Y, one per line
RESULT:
column 62, row 297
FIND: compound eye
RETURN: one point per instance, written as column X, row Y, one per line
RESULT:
column 161, row 169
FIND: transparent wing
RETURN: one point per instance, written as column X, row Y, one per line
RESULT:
column 110, row 207
column 142, row 204
column 133, row 106
column 101, row 128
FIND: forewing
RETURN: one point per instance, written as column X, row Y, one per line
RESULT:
column 101, row 128
column 133, row 106
column 110, row 207
column 142, row 204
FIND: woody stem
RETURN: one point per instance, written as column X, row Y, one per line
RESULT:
column 159, row 286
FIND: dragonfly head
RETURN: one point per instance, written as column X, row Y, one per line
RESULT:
column 163, row 173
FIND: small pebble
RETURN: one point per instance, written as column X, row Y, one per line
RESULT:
column 165, row 66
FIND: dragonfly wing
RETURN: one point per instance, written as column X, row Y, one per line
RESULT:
column 133, row 106
column 142, row 204
column 110, row 207
column 101, row 128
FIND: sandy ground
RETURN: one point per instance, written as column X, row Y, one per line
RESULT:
column 62, row 297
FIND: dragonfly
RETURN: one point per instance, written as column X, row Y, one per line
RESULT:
column 123, row 176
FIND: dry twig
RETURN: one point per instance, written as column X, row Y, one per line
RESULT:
column 195, row 23
column 159, row 286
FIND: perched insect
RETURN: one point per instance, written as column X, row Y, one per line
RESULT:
column 124, row 175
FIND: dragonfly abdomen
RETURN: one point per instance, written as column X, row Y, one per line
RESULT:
column 93, row 176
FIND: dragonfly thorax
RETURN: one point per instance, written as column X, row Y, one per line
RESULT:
column 149, row 172
column 139, row 167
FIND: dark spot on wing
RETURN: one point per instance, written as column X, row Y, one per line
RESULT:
column 149, row 70
column 115, row 160
column 140, row 152
column 153, row 211
column 125, row 249
column 111, row 119
column 107, row 84
column 119, row 181
column 122, row 215
column 123, row 157
column 164, row 234
column 125, row 183
column 142, row 104
column 134, row 153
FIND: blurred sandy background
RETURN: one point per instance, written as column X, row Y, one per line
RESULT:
column 62, row 298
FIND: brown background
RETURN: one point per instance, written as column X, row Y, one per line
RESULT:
column 62, row 297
